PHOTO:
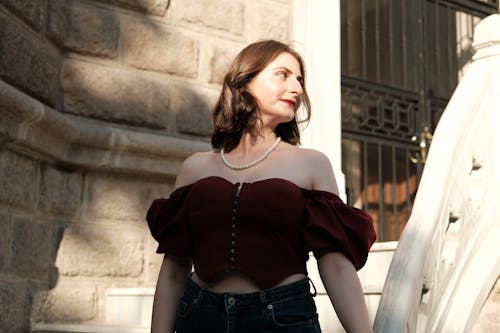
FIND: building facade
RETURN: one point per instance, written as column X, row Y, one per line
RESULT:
column 101, row 100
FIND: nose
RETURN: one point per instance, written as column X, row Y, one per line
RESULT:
column 296, row 87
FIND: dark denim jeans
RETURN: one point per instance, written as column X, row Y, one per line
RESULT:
column 286, row 309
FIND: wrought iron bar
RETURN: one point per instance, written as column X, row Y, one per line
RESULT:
column 363, row 39
column 378, row 110
column 399, row 67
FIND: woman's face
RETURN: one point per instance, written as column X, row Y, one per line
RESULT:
column 277, row 89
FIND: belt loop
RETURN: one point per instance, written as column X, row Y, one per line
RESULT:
column 262, row 297
column 314, row 287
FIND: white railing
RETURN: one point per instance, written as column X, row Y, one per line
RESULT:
column 448, row 257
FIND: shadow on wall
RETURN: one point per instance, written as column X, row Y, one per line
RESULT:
column 38, row 201
column 124, row 77
column 67, row 232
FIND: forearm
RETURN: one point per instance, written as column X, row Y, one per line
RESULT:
column 169, row 289
column 344, row 289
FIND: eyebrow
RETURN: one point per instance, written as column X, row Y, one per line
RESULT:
column 299, row 77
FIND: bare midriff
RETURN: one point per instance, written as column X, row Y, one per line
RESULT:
column 231, row 282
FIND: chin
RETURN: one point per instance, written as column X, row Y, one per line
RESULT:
column 282, row 117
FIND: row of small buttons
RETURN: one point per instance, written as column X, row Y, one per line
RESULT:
column 232, row 255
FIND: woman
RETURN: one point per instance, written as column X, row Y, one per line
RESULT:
column 247, row 214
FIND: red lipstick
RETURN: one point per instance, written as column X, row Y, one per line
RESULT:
column 291, row 102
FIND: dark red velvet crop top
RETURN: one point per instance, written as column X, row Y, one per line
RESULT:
column 263, row 229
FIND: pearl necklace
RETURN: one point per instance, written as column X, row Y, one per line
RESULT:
column 249, row 164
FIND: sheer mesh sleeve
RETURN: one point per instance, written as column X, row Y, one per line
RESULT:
column 334, row 226
column 168, row 222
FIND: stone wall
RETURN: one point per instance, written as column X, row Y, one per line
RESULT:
column 100, row 101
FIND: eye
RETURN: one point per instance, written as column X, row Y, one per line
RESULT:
column 282, row 74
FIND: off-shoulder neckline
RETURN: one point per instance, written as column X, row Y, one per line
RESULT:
column 264, row 180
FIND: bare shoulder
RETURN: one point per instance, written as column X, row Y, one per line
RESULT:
column 192, row 167
column 321, row 170
column 313, row 155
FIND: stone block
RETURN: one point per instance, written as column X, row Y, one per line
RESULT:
column 154, row 260
column 224, row 15
column 60, row 192
column 30, row 11
column 192, row 109
column 13, row 109
column 220, row 61
column 114, row 95
column 161, row 189
column 4, row 240
column 101, row 251
column 270, row 22
column 27, row 62
column 65, row 303
column 17, row 179
column 14, row 308
column 153, row 47
column 83, row 30
column 112, row 197
column 154, row 7
column 31, row 251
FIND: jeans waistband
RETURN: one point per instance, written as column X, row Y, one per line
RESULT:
column 264, row 296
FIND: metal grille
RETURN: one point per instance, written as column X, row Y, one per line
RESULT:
column 378, row 110
column 401, row 61
column 378, row 125
column 383, row 181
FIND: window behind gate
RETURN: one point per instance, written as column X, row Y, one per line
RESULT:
column 401, row 61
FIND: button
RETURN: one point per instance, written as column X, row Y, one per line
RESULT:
column 233, row 218
column 232, row 251
column 235, row 202
column 233, row 226
column 233, row 242
column 231, row 301
column 270, row 306
column 233, row 259
column 233, row 234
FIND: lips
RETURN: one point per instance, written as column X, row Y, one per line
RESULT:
column 290, row 102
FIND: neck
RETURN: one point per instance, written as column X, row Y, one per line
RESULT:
column 249, row 143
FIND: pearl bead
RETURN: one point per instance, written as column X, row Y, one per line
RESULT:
column 249, row 164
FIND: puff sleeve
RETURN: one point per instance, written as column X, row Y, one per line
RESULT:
column 168, row 222
column 334, row 226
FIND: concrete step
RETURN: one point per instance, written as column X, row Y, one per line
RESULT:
column 372, row 277
column 82, row 328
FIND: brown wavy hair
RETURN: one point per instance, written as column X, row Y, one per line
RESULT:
column 235, row 110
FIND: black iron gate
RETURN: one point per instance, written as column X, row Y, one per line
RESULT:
column 401, row 61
